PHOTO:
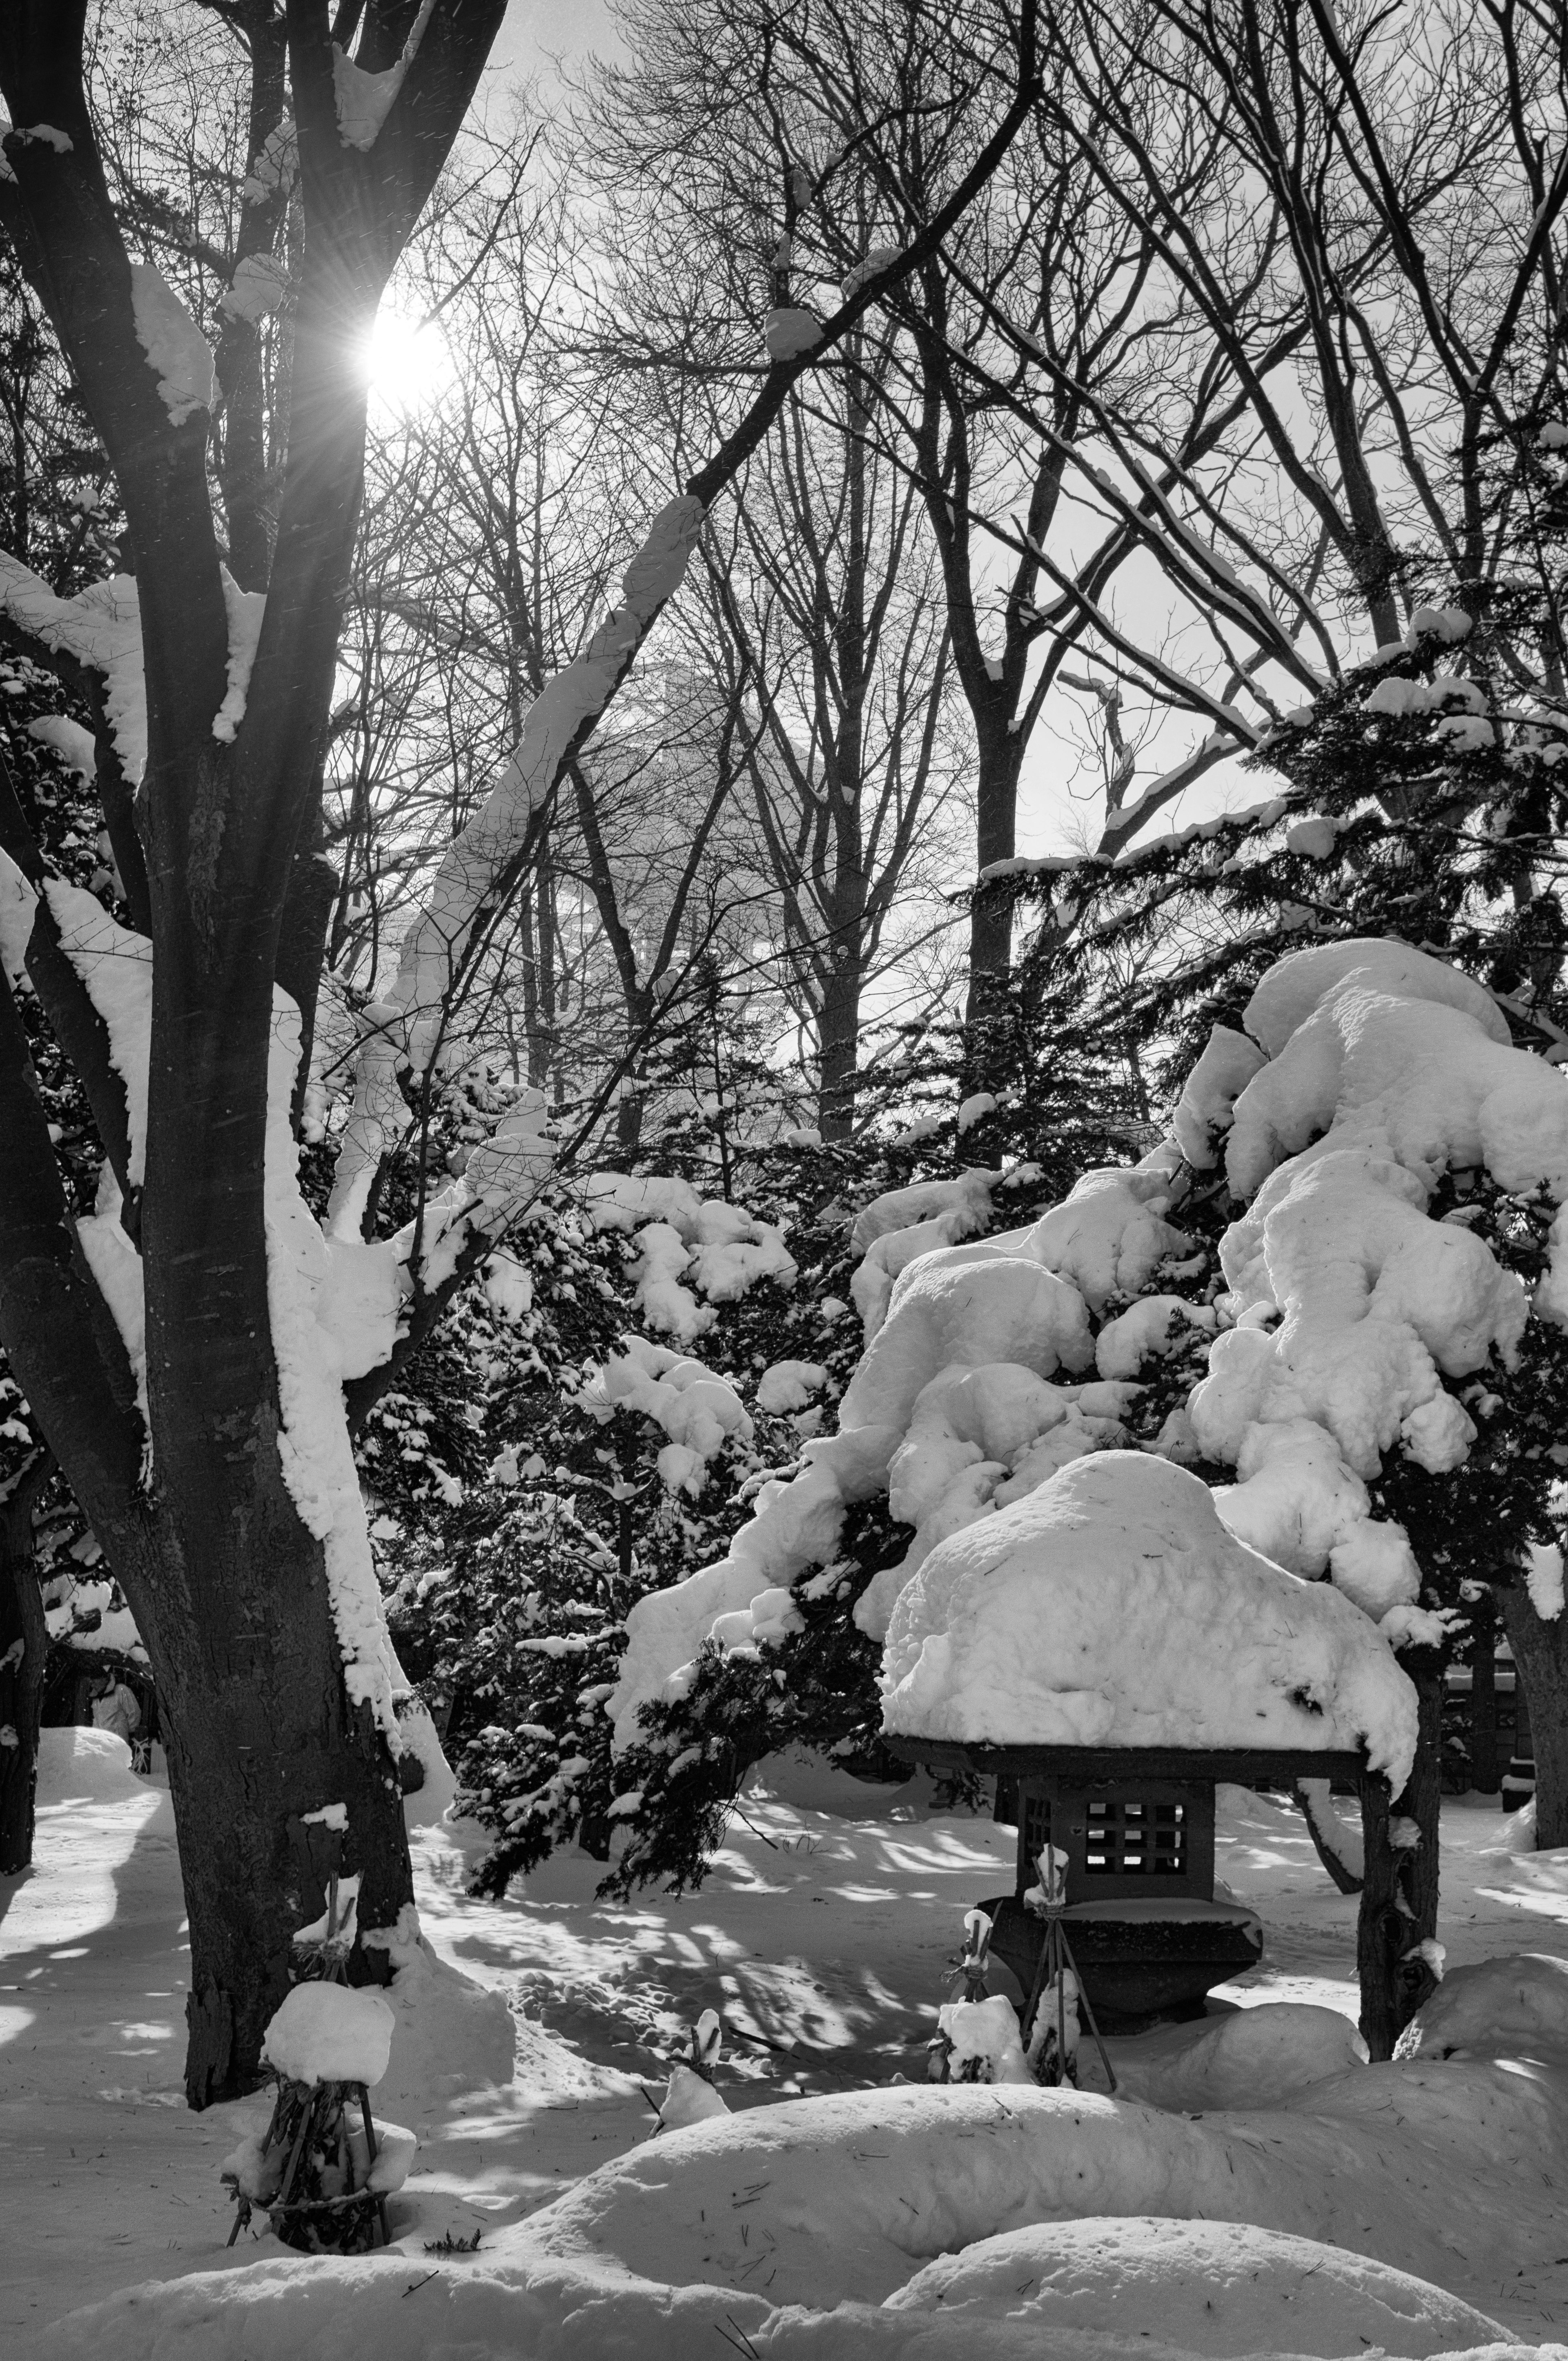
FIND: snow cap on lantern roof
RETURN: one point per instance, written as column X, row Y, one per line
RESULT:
column 1111, row 1609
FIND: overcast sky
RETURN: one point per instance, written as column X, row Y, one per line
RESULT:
column 536, row 30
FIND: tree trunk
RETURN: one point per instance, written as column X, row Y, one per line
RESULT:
column 1400, row 1880
column 1484, row 1772
column 24, row 1649
column 1336, row 1844
column 840, row 1041
column 999, row 757
column 631, row 1098
column 1540, row 1656
column 259, row 1731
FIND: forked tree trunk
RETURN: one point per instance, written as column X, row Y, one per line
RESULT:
column 1541, row 1655
column 228, row 1585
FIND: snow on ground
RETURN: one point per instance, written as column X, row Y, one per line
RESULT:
column 824, row 1936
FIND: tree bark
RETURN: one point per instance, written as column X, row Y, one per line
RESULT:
column 24, row 1647
column 258, row 1732
column 840, row 1041
column 1541, row 1655
column 1000, row 757
column 1335, row 1844
column 1484, row 1772
column 1400, row 1880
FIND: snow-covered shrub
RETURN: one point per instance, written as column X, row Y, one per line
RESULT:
column 1316, row 1363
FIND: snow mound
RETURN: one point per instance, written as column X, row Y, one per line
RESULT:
column 848, row 2198
column 1495, row 2008
column 1000, row 1310
column 1254, row 2059
column 553, row 2312
column 1111, row 1608
column 850, row 2194
column 1109, row 1235
column 73, row 744
column 1214, row 2288
column 1227, row 1065
column 85, row 1767
column 624, row 1200
column 450, row 2035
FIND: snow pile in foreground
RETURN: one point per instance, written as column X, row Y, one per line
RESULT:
column 1521, row 2003
column 1210, row 2286
column 1017, row 2211
column 1254, row 2058
column 1111, row 1608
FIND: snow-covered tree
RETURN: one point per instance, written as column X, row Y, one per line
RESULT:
column 186, row 1345
column 1353, row 1334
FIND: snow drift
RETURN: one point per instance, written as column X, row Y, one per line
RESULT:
column 1215, row 2287
column 796, row 2223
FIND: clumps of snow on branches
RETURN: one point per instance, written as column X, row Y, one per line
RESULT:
column 721, row 1249
column 696, row 1409
column 70, row 741
column 1348, row 1304
column 1366, row 1073
column 789, row 332
column 259, row 289
column 100, row 627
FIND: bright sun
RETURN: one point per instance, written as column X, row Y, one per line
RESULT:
column 410, row 365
